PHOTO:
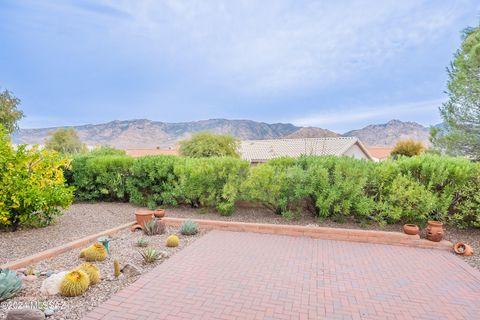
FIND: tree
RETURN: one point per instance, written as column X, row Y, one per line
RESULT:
column 407, row 148
column 460, row 134
column 206, row 144
column 65, row 140
column 9, row 113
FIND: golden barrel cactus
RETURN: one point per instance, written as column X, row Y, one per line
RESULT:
column 92, row 271
column 173, row 241
column 96, row 252
column 75, row 283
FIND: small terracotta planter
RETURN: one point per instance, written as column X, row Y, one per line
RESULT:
column 411, row 229
column 159, row 213
column 435, row 231
column 463, row 249
column 143, row 216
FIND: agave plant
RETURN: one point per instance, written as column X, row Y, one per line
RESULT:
column 142, row 242
column 189, row 228
column 153, row 227
column 10, row 284
column 150, row 255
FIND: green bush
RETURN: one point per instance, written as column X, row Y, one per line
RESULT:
column 210, row 182
column 32, row 185
column 100, row 177
column 278, row 185
column 152, row 181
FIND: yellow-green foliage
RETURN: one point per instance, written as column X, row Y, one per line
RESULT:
column 92, row 271
column 96, row 252
column 116, row 268
column 32, row 185
column 172, row 241
column 75, row 283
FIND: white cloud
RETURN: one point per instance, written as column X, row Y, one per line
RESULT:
column 269, row 46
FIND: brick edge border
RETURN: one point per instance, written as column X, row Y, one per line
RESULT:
column 50, row 253
column 353, row 235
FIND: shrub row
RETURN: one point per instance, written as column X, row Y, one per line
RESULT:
column 404, row 190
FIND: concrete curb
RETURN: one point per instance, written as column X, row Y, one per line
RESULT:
column 50, row 253
column 369, row 236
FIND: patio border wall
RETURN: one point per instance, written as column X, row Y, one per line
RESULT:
column 369, row 236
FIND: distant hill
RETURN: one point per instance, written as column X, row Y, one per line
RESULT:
column 387, row 134
column 311, row 132
column 144, row 133
column 151, row 134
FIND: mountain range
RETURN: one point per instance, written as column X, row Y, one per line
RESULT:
column 151, row 134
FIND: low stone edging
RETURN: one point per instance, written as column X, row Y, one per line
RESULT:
column 50, row 253
column 369, row 236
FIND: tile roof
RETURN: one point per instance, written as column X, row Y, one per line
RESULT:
column 262, row 150
column 380, row 153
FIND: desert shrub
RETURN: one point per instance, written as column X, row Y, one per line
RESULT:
column 466, row 212
column 408, row 148
column 340, row 187
column 152, row 180
column 32, row 185
column 101, row 177
column 210, row 182
column 278, row 185
column 106, row 151
column 189, row 228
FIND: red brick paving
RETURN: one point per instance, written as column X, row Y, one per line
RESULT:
column 236, row 275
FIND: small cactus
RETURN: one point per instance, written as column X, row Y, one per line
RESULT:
column 10, row 284
column 75, row 283
column 189, row 228
column 172, row 241
column 92, row 271
column 96, row 252
column 142, row 242
column 150, row 255
column 153, row 227
column 116, row 268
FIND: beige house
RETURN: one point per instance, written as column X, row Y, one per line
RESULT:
column 258, row 151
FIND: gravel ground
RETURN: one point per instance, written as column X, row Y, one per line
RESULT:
column 122, row 247
column 82, row 219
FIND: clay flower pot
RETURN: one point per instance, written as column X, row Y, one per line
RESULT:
column 463, row 249
column 411, row 229
column 143, row 216
column 435, row 231
column 159, row 213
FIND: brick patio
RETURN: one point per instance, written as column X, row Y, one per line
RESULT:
column 236, row 275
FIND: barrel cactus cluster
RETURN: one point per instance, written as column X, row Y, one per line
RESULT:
column 96, row 252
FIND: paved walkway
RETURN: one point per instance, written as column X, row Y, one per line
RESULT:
column 234, row 275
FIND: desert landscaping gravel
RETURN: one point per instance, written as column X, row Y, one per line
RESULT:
column 122, row 247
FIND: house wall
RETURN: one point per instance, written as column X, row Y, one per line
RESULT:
column 355, row 152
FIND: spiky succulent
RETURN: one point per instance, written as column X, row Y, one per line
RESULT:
column 142, row 242
column 189, row 228
column 10, row 284
column 150, row 255
column 96, row 252
column 116, row 268
column 92, row 271
column 172, row 241
column 153, row 227
column 74, row 283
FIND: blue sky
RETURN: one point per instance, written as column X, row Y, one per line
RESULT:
column 335, row 64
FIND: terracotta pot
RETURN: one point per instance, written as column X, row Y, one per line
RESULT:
column 435, row 231
column 143, row 216
column 411, row 229
column 159, row 213
column 463, row 249
column 136, row 227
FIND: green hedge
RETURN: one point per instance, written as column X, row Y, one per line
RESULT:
column 412, row 189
